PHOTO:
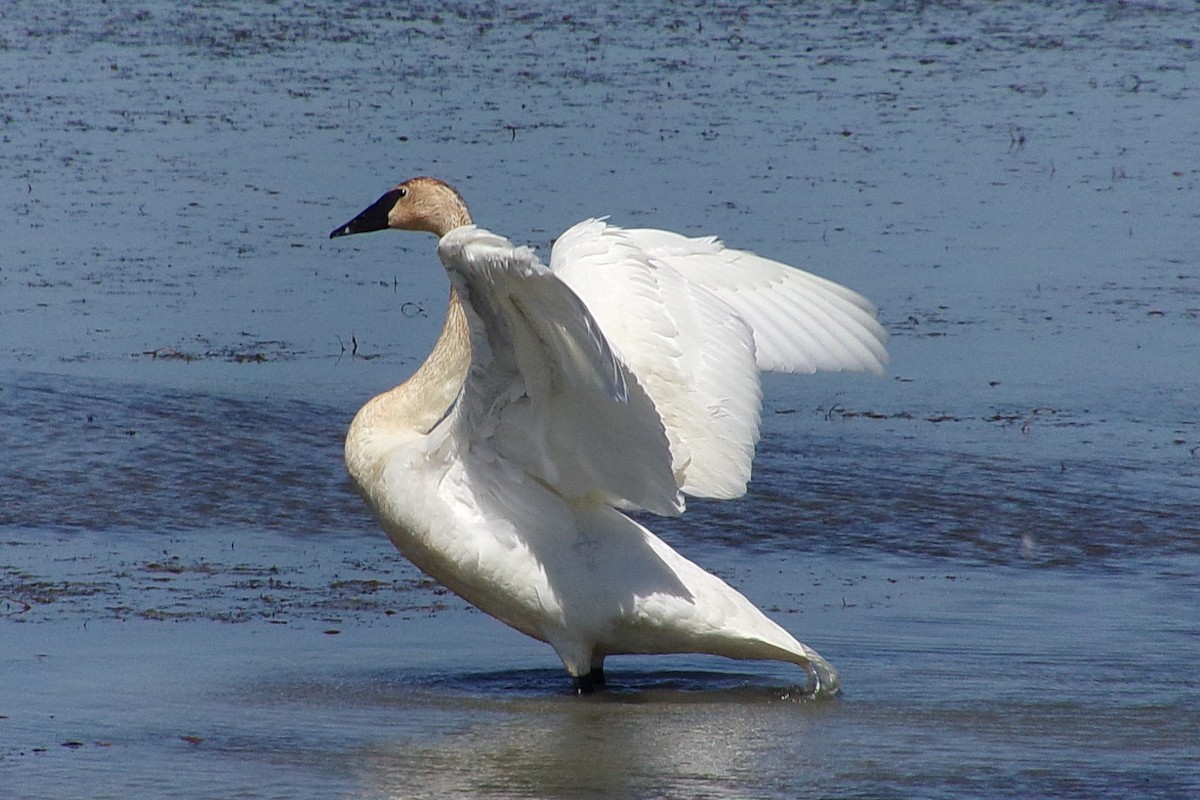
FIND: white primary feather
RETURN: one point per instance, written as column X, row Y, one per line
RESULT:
column 801, row 322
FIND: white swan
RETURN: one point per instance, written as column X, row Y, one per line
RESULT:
column 619, row 377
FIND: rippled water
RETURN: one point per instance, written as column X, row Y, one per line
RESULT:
column 997, row 544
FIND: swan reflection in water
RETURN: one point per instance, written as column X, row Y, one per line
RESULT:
column 680, row 732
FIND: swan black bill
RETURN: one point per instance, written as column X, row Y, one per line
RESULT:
column 372, row 218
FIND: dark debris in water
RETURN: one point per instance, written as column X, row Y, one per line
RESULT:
column 251, row 352
column 1026, row 419
column 49, row 577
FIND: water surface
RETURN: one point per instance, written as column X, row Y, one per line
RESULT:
column 996, row 544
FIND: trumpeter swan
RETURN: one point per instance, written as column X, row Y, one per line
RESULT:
column 622, row 376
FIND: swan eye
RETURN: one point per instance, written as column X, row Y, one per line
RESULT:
column 401, row 192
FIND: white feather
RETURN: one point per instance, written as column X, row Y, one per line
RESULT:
column 696, row 322
column 545, row 391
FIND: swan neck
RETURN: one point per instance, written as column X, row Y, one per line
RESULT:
column 437, row 208
column 454, row 217
column 413, row 408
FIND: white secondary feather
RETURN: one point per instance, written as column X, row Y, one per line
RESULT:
column 692, row 353
column 696, row 322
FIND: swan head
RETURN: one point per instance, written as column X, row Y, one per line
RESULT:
column 418, row 204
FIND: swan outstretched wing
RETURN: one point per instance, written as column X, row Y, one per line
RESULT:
column 691, row 352
column 801, row 322
column 697, row 321
column 545, row 391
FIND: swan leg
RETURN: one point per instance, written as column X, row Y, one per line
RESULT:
column 592, row 680
column 586, row 684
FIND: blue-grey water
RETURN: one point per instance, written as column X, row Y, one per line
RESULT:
column 997, row 544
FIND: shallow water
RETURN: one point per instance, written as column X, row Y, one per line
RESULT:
column 997, row 544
